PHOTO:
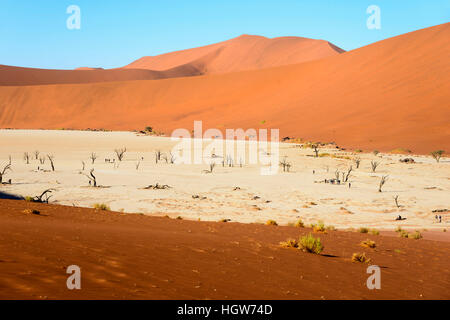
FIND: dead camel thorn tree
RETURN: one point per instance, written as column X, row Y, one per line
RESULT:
column 26, row 157
column 211, row 168
column 51, row 159
column 44, row 194
column 172, row 158
column 158, row 155
column 315, row 147
column 357, row 162
column 92, row 178
column 36, row 155
column 374, row 164
column 349, row 171
column 3, row 172
column 382, row 182
column 120, row 153
column 93, row 157
column 285, row 165
column 396, row 201
column 437, row 155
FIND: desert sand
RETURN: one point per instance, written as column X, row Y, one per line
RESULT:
column 285, row 197
column 246, row 52
column 17, row 76
column 130, row 256
column 198, row 231
column 388, row 95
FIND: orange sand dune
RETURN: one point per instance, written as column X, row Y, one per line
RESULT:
column 17, row 76
column 243, row 53
column 391, row 94
column 131, row 256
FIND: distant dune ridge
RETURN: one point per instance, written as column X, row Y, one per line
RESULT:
column 391, row 94
column 243, row 53
column 16, row 76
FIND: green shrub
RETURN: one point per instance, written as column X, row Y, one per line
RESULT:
column 310, row 244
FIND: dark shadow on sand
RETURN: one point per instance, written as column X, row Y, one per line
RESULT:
column 7, row 196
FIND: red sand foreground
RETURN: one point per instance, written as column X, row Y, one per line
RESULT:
column 128, row 256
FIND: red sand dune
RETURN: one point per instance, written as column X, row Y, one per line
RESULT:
column 128, row 256
column 17, row 76
column 391, row 94
column 243, row 53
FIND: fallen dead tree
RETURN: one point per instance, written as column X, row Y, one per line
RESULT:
column 157, row 186
column 43, row 198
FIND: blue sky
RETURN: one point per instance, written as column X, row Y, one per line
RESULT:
column 113, row 33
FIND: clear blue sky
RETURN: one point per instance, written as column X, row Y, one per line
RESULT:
column 113, row 33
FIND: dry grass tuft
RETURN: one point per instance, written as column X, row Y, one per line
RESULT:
column 416, row 235
column 299, row 224
column 360, row 257
column 363, row 230
column 271, row 223
column 101, row 206
column 319, row 227
column 290, row 243
column 31, row 211
column 368, row 243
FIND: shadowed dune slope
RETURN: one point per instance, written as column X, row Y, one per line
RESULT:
column 243, row 53
column 391, row 94
column 17, row 76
